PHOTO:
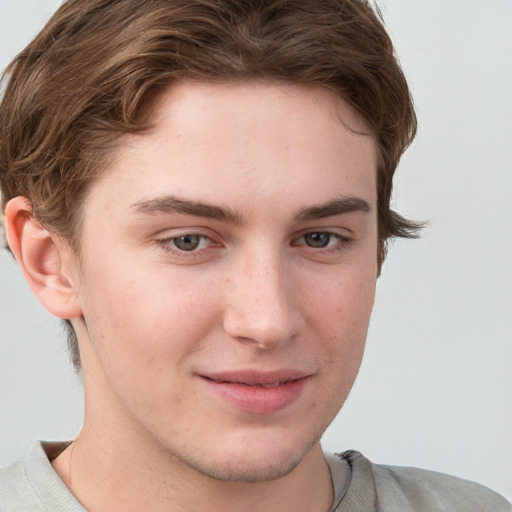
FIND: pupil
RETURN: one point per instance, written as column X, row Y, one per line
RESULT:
column 317, row 239
column 187, row 242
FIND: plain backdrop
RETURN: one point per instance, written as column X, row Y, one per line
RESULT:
column 435, row 388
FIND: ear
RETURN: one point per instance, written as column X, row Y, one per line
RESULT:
column 47, row 262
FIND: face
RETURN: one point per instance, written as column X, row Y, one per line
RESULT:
column 227, row 274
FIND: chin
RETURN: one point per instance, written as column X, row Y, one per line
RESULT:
column 252, row 463
column 248, row 471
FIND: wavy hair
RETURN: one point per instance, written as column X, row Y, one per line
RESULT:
column 94, row 70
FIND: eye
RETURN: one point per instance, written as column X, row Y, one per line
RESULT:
column 323, row 245
column 319, row 239
column 188, row 242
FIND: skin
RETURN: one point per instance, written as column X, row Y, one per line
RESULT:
column 254, row 290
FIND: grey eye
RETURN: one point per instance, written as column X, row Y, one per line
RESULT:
column 187, row 242
column 317, row 239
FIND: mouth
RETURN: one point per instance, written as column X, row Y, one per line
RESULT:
column 258, row 392
column 257, row 384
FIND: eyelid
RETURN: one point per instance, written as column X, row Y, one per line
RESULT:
column 165, row 238
column 342, row 233
column 342, row 243
column 175, row 232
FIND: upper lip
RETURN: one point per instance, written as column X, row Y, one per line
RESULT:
column 256, row 377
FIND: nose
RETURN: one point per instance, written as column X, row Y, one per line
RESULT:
column 261, row 305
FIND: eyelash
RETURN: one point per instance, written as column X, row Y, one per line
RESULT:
column 342, row 242
column 168, row 244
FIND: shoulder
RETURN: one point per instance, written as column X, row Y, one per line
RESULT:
column 16, row 490
column 411, row 489
column 31, row 484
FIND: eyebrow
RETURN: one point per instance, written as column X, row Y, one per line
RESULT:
column 175, row 205
column 335, row 207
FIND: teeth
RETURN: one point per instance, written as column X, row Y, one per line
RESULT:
column 274, row 385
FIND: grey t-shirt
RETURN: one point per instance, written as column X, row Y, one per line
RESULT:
column 32, row 485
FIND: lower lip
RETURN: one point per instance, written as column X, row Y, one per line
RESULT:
column 257, row 399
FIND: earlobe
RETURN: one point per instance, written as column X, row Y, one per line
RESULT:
column 44, row 260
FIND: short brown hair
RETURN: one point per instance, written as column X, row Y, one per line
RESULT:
column 88, row 77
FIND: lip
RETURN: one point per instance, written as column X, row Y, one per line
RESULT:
column 258, row 392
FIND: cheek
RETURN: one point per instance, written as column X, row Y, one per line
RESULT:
column 345, row 301
column 144, row 332
column 340, row 315
column 147, row 316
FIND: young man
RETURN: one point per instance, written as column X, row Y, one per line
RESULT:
column 201, row 190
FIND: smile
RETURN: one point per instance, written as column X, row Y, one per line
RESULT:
column 258, row 392
column 261, row 385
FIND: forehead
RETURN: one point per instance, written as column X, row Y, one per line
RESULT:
column 240, row 143
column 241, row 96
column 247, row 112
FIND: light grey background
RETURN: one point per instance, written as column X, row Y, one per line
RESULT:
column 435, row 389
